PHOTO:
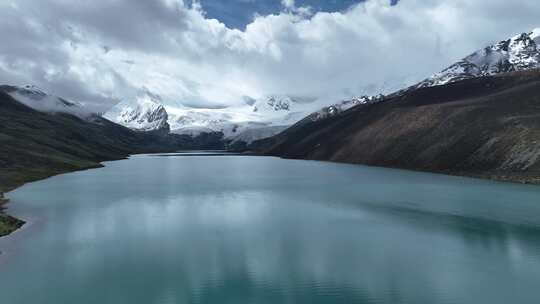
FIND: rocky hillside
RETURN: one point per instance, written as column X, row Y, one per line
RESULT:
column 486, row 126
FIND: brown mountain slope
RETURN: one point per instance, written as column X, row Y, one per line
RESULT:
column 486, row 127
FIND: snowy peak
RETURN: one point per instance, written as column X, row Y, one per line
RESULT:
column 274, row 103
column 521, row 52
column 254, row 119
column 196, row 121
column 145, row 113
column 283, row 110
column 39, row 100
column 344, row 105
column 535, row 35
column 263, row 114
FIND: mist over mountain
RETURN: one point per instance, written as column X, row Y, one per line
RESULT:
column 189, row 53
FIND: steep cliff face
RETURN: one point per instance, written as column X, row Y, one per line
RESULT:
column 487, row 126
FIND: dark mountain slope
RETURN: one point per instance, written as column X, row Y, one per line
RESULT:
column 487, row 127
column 36, row 145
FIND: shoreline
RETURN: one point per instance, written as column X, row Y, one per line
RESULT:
column 518, row 178
column 10, row 224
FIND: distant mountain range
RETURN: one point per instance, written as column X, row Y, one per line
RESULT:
column 253, row 120
column 268, row 116
column 271, row 122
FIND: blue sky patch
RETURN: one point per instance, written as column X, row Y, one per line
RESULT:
column 239, row 13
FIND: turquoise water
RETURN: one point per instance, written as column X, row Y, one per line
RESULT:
column 238, row 229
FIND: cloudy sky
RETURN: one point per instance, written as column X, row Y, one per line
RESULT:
column 213, row 52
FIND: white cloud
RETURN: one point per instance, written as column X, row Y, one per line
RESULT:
column 288, row 4
column 96, row 52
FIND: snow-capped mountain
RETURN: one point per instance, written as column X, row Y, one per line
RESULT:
column 521, row 52
column 145, row 113
column 39, row 100
column 274, row 103
column 283, row 110
column 255, row 119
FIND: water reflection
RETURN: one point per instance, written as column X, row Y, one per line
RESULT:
column 282, row 232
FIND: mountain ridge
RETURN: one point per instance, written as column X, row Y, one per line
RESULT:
column 484, row 127
column 518, row 53
column 257, row 117
column 39, row 100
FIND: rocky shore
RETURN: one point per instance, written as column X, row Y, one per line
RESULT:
column 8, row 224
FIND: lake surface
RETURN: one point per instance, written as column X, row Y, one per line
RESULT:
column 239, row 229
